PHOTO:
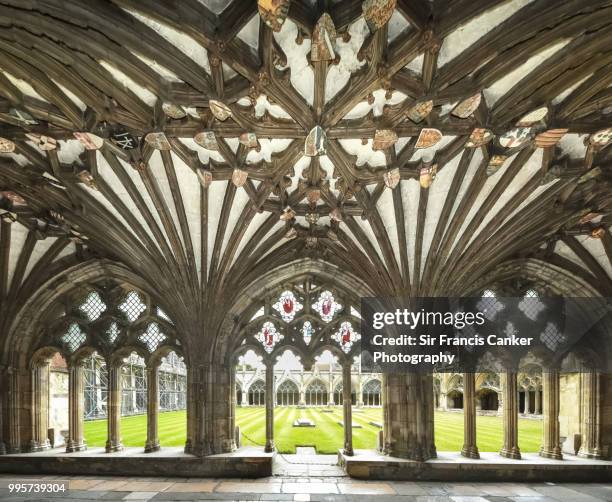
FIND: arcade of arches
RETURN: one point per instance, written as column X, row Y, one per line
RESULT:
column 182, row 184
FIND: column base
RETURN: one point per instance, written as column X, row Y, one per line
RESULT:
column 348, row 452
column 554, row 453
column 470, row 452
column 594, row 454
column 269, row 448
column 2, row 449
column 35, row 446
column 113, row 447
column 72, row 446
column 152, row 447
column 514, row 453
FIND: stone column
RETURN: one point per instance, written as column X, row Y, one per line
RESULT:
column 470, row 449
column 113, row 407
column 408, row 416
column 538, row 403
column 40, row 406
column 510, row 449
column 13, row 405
column 330, row 386
column 152, row 443
column 76, row 398
column 591, row 412
column 269, row 406
column 3, row 379
column 347, row 408
column 550, row 387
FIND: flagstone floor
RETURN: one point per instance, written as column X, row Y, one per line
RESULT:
column 305, row 489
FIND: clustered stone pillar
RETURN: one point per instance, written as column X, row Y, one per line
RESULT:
column 591, row 425
column 538, row 402
column 550, row 389
column 347, row 410
column 152, row 443
column 3, row 379
column 76, row 397
column 269, row 407
column 510, row 448
column 40, row 406
column 470, row 449
column 113, row 408
column 408, row 416
column 13, row 405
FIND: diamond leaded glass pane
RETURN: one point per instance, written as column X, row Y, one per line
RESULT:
column 152, row 337
column 112, row 333
column 268, row 336
column 133, row 306
column 93, row 306
column 74, row 337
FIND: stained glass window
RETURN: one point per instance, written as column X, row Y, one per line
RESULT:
column 287, row 306
column 74, row 337
column 152, row 337
column 326, row 306
column 93, row 307
column 133, row 306
column 307, row 332
column 268, row 336
column 346, row 336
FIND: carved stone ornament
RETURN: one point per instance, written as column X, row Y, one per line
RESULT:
column 419, row 111
column 124, row 140
column 220, row 110
column 427, row 175
column 23, row 117
column 383, row 139
column 479, row 137
column 533, row 117
column 515, row 137
column 45, row 143
column 87, row 179
column 174, row 111
column 336, row 214
column 313, row 195
column 601, row 137
column 598, row 233
column 311, row 241
column 428, row 138
column 316, row 142
column 378, row 12
column 495, row 162
column 323, row 46
column 467, row 107
column 239, row 177
column 273, row 12
column 249, row 139
column 392, row 178
column 594, row 218
column 287, row 215
column 16, row 199
column 205, row 177
column 291, row 233
column 158, row 141
column 6, row 146
column 89, row 141
column 312, row 218
column 549, row 138
column 206, row 139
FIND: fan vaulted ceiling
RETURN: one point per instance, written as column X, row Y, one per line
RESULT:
column 418, row 144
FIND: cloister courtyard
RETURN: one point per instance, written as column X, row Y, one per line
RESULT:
column 326, row 436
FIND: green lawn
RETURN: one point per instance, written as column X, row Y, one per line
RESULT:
column 326, row 436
